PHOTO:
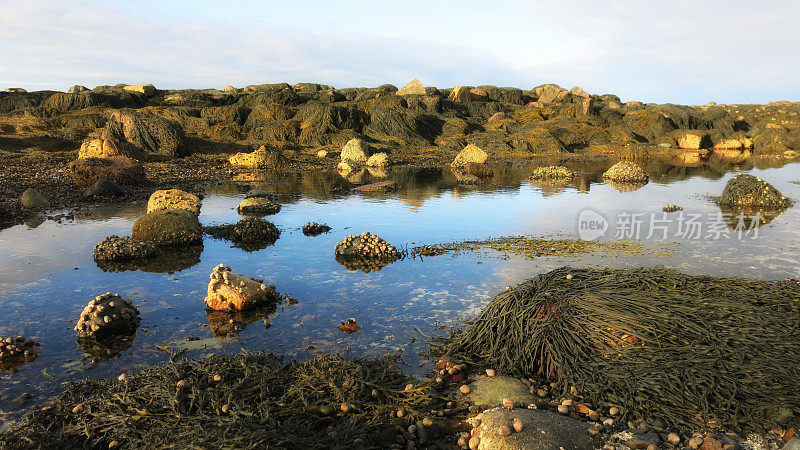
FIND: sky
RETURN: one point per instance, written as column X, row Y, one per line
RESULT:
column 689, row 52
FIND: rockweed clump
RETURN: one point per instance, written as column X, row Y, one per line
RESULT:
column 107, row 314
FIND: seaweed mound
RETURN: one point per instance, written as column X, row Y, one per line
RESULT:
column 552, row 173
column 249, row 234
column 626, row 172
column 748, row 190
column 244, row 401
column 693, row 350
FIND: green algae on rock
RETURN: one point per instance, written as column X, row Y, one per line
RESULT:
column 168, row 227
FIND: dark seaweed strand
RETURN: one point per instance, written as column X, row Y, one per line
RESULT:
column 272, row 405
column 708, row 352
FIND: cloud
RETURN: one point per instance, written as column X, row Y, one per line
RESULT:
column 689, row 52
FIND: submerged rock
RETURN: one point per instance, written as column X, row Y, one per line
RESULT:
column 17, row 350
column 626, row 172
column 250, row 233
column 115, row 248
column 104, row 188
column 315, row 229
column 260, row 193
column 168, row 227
column 174, row 199
column 747, row 190
column 260, row 206
column 32, row 199
column 108, row 314
column 261, row 158
column 379, row 187
column 230, row 291
column 117, row 169
column 470, row 154
column 552, row 173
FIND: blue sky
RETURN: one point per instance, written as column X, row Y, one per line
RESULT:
column 679, row 51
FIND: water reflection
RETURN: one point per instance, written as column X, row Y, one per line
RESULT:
column 167, row 260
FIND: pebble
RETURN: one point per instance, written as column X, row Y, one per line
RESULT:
column 508, row 403
column 225, row 408
column 563, row 409
column 490, row 372
column 427, row 421
column 473, row 443
column 673, row 438
column 594, row 430
column 464, row 389
column 695, row 442
column 567, row 402
column 613, row 411
column 504, row 430
column 517, row 424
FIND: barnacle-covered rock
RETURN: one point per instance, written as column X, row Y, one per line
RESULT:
column 107, row 314
column 250, row 233
column 550, row 173
column 115, row 248
column 174, row 199
column 258, row 206
column 230, row 291
column 365, row 252
column 747, row 190
column 315, row 229
column 17, row 350
column 626, row 172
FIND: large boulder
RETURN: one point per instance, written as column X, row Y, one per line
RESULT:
column 470, row 154
column 746, row 190
column 103, row 148
column 32, row 199
column 550, row 93
column 117, row 169
column 356, row 150
column 415, row 87
column 174, row 199
column 148, row 90
column 150, row 133
column 538, row 429
column 262, row 158
column 692, row 140
column 228, row 291
column 626, row 172
column 168, row 227
column 460, row 94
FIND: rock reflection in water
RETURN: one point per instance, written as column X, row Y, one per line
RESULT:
column 228, row 324
column 168, row 260
column 103, row 348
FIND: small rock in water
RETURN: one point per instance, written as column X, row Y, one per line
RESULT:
column 349, row 326
column 230, row 291
column 671, row 208
column 315, row 229
column 108, row 314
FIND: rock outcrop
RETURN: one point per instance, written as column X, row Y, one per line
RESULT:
column 152, row 134
column 551, row 173
column 415, row 87
column 148, row 90
column 228, row 291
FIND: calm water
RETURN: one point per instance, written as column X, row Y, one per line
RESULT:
column 47, row 274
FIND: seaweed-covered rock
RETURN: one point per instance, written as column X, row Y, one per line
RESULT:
column 748, row 190
column 168, row 227
column 261, row 158
column 550, row 173
column 174, row 199
column 315, row 229
column 115, row 248
column 32, row 199
column 356, row 150
column 103, row 148
column 148, row 132
column 229, row 291
column 626, row 172
column 104, row 188
column 118, row 169
column 470, row 154
column 260, row 206
column 249, row 234
column 107, row 314
column 17, row 350
column 415, row 87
